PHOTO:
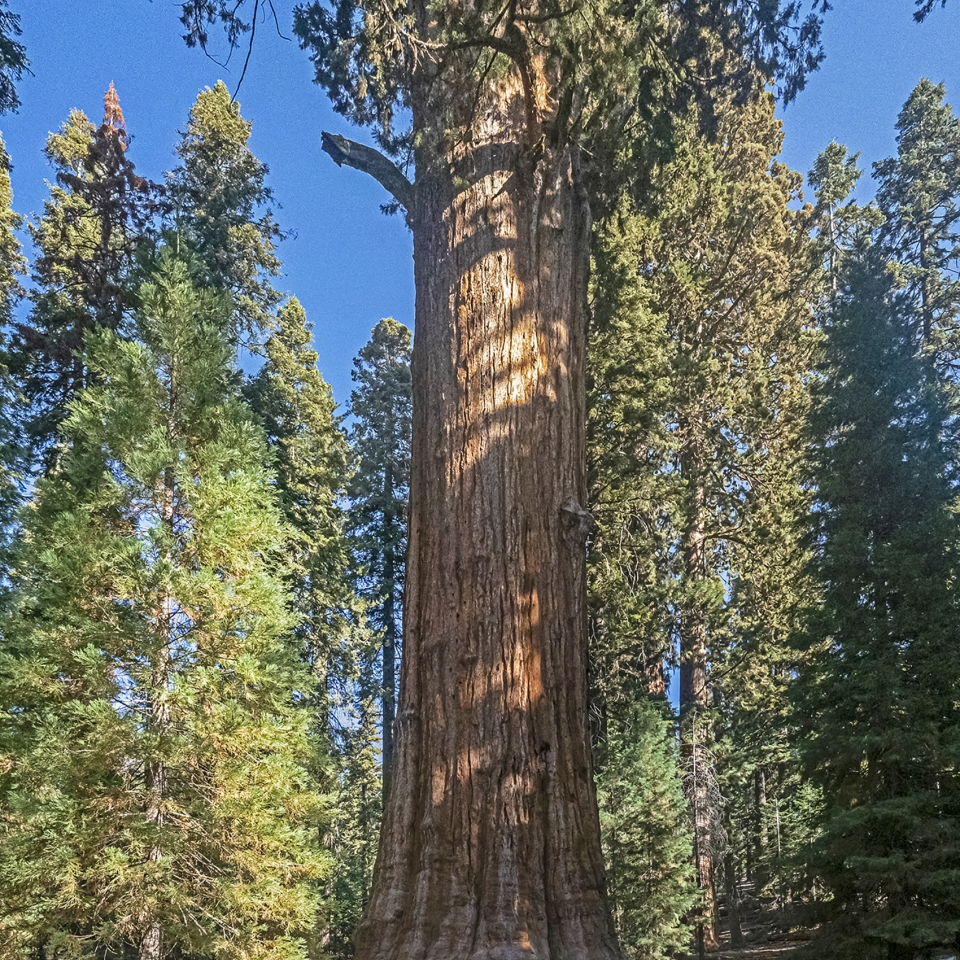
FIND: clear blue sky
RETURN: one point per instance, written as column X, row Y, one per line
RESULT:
column 348, row 263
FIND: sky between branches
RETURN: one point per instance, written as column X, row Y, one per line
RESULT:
column 348, row 263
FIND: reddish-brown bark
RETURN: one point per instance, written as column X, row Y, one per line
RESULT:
column 490, row 846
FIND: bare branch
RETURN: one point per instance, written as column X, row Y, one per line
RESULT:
column 246, row 62
column 276, row 21
column 385, row 172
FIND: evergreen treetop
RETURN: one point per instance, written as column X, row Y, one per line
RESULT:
column 312, row 462
column 221, row 201
column 13, row 58
column 918, row 194
column 99, row 215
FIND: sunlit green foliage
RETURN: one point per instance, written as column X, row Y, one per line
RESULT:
column 220, row 202
column 312, row 459
column 153, row 759
column 99, row 215
column 12, row 265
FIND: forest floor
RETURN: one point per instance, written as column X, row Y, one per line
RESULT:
column 767, row 932
column 762, row 951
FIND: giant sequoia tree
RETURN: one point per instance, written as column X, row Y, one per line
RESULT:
column 490, row 846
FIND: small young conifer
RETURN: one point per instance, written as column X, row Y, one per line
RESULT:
column 153, row 759
column 354, row 829
column 646, row 838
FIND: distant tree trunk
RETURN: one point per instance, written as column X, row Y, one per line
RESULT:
column 389, row 641
column 490, row 848
column 157, row 715
column 694, row 702
column 733, row 900
column 761, row 871
column 654, row 673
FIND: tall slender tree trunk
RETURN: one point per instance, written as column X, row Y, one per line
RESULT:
column 926, row 312
column 733, row 899
column 158, row 722
column 490, row 848
column 654, row 672
column 760, row 839
column 694, row 703
column 389, row 684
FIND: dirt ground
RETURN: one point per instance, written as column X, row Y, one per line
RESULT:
column 761, row 951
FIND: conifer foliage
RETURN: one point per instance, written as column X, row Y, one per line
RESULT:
column 646, row 842
column 153, row 771
column 381, row 407
column 203, row 576
column 13, row 57
column 377, row 523
column 297, row 408
column 12, row 265
column 880, row 693
column 99, row 214
column 698, row 357
column 878, row 702
column 221, row 202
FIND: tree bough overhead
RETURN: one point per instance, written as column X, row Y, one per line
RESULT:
column 490, row 846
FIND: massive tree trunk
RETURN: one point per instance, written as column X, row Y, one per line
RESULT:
column 490, row 846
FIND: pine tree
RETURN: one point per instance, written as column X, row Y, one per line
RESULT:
column 646, row 839
column 380, row 406
column 152, row 755
column 297, row 408
column 627, row 392
column 100, row 213
column 380, row 435
column 11, row 465
column 700, row 358
column 221, row 202
column 919, row 194
column 13, row 58
column 833, row 177
column 878, row 699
